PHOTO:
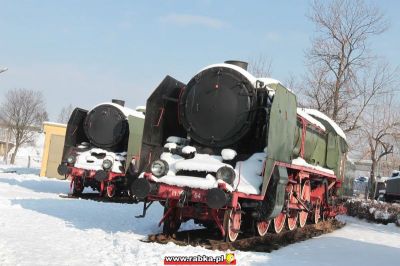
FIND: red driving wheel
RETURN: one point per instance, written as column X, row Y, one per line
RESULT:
column 262, row 227
column 279, row 222
column 305, row 197
column 232, row 222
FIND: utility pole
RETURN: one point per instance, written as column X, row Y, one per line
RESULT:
column 4, row 69
column 8, row 139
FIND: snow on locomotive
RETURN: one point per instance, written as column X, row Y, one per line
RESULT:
column 102, row 147
column 241, row 155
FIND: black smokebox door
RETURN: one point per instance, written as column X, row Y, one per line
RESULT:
column 217, row 107
column 105, row 126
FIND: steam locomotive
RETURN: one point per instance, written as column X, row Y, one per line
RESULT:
column 233, row 152
column 101, row 148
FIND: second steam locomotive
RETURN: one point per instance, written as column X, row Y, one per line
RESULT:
column 102, row 148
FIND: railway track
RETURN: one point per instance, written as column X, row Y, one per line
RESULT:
column 210, row 239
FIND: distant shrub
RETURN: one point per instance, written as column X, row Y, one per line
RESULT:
column 375, row 211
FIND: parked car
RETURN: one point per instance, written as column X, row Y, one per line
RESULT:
column 360, row 185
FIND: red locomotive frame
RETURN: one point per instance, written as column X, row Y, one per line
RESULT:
column 81, row 176
column 303, row 203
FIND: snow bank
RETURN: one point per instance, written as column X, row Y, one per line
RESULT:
column 248, row 178
column 21, row 170
column 249, row 76
column 188, row 150
column 310, row 119
column 88, row 160
column 200, row 163
column 322, row 116
column 54, row 124
column 170, row 146
column 248, row 173
column 188, row 181
column 125, row 110
column 40, row 228
column 34, row 220
column 301, row 162
column 177, row 140
column 30, row 153
column 228, row 154
column 141, row 108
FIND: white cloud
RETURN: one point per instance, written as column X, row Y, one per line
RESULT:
column 186, row 20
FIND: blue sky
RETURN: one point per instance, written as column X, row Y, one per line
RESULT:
column 86, row 52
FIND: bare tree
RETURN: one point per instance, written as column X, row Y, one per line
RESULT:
column 291, row 82
column 338, row 82
column 65, row 113
column 22, row 112
column 381, row 124
column 260, row 66
column 390, row 162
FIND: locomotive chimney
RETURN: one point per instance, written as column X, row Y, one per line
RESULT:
column 119, row 102
column 238, row 63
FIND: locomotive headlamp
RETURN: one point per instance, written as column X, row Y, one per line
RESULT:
column 226, row 174
column 159, row 168
column 107, row 164
column 71, row 159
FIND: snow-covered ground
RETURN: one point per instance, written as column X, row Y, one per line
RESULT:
column 37, row 227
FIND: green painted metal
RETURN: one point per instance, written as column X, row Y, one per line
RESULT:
column 136, row 125
column 333, row 151
column 326, row 149
column 334, row 147
column 315, row 145
column 282, row 125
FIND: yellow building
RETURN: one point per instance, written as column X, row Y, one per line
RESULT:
column 53, row 149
